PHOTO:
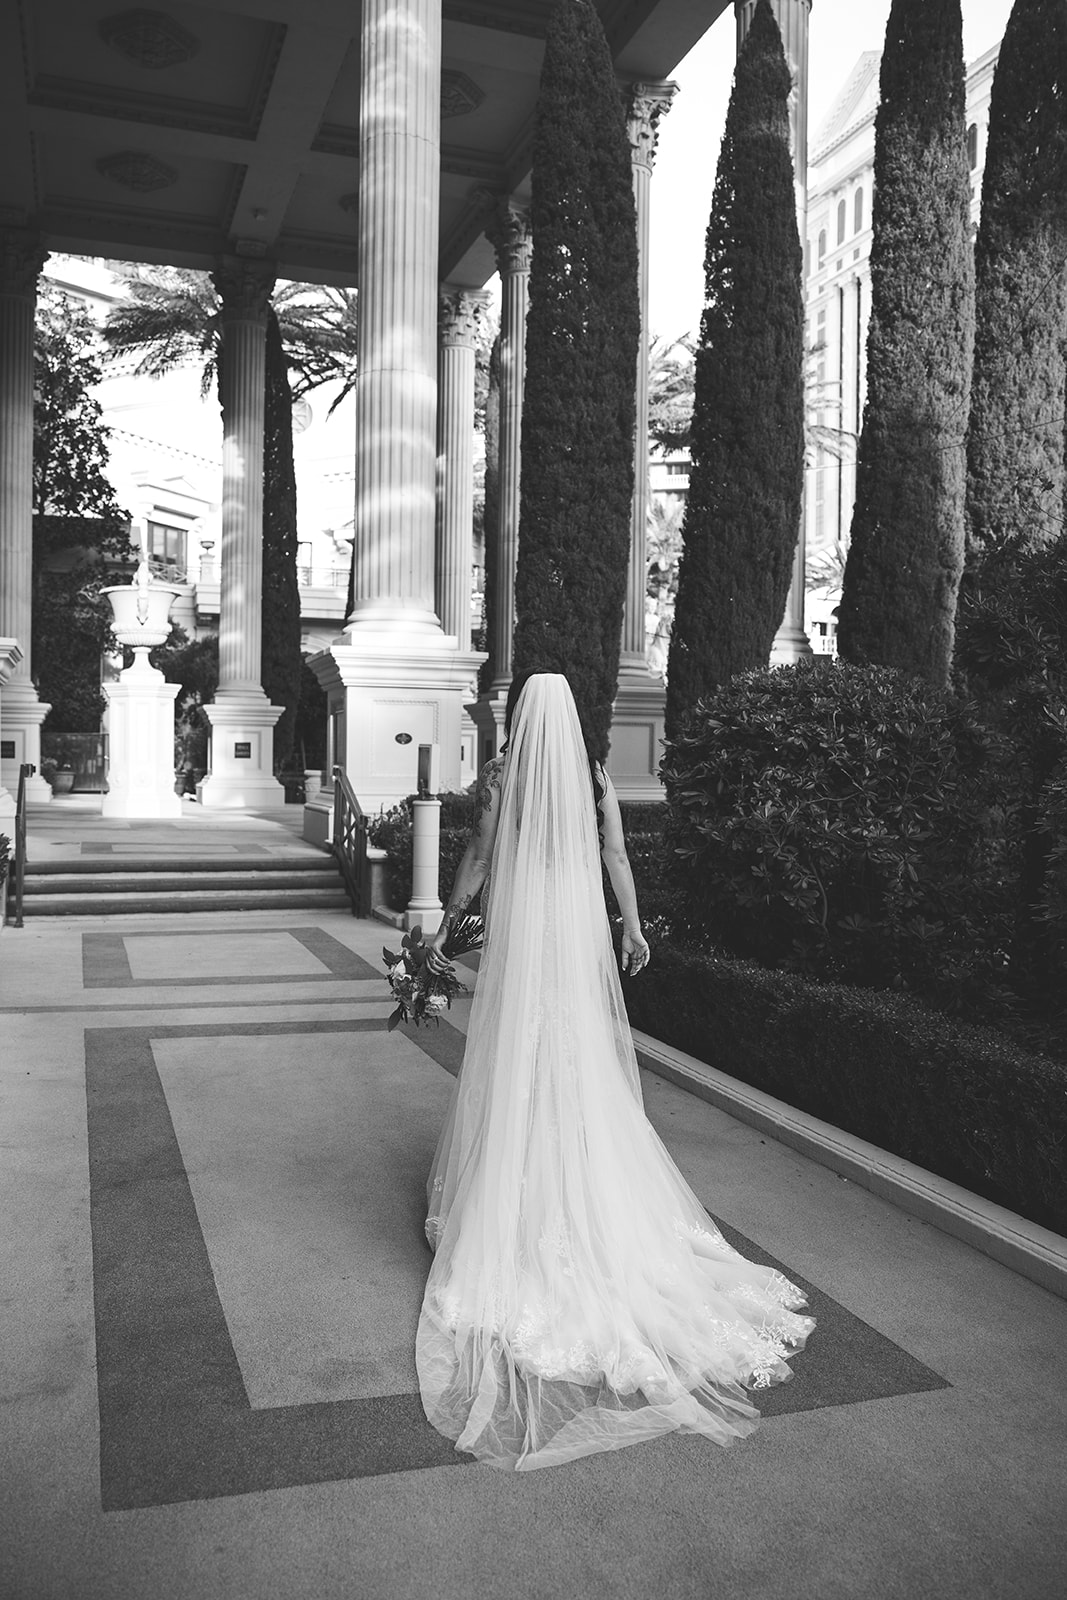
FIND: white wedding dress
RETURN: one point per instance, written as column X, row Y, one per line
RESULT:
column 580, row 1299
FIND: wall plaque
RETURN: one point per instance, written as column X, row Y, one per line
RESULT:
column 7, row 749
column 242, row 750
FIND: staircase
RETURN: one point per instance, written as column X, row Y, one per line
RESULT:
column 94, row 887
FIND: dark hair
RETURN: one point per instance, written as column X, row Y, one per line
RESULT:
column 517, row 685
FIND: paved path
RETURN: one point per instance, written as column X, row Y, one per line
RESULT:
column 213, row 1157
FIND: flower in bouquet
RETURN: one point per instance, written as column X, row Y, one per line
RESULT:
column 420, row 993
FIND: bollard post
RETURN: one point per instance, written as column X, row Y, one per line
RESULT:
column 425, row 909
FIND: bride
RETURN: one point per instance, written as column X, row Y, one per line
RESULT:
column 580, row 1298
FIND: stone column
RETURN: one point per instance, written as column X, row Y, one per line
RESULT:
column 637, row 716
column 460, row 315
column 395, row 680
column 509, row 234
column 242, row 719
column 648, row 103
column 21, row 259
column 791, row 641
column 396, row 386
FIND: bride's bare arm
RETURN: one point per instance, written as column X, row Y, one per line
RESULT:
column 472, row 870
column 613, row 852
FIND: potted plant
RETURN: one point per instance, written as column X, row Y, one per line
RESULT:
column 62, row 779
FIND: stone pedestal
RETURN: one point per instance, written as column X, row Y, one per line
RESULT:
column 242, row 719
column 140, row 729
column 21, row 259
column 383, row 702
column 10, row 656
column 241, row 755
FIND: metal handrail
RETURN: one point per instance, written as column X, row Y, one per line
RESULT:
column 26, row 770
column 350, row 842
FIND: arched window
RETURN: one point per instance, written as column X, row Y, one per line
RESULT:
column 842, row 216
column 822, row 246
column 858, row 223
column 972, row 145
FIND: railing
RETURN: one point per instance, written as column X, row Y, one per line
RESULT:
column 19, row 866
column 350, row 842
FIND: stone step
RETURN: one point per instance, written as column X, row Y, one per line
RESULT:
column 110, row 904
column 92, row 866
column 167, row 880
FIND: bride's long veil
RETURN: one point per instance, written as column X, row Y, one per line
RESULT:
column 578, row 1298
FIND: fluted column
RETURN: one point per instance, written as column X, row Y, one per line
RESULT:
column 648, row 102
column 510, row 235
column 396, row 399
column 242, row 719
column 21, row 259
column 245, row 289
column 791, row 641
column 461, row 313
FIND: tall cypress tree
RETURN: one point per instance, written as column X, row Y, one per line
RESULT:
column 1015, row 442
column 282, row 661
column 906, row 553
column 581, row 358
column 743, row 512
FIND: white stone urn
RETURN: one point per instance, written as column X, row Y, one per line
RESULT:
column 140, row 705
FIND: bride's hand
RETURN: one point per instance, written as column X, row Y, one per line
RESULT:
column 635, row 953
column 435, row 958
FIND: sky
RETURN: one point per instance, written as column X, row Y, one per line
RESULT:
column 684, row 174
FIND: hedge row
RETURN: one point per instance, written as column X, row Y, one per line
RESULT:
column 962, row 1101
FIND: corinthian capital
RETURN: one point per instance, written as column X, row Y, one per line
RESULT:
column 647, row 103
column 460, row 315
column 509, row 234
column 244, row 287
column 21, row 258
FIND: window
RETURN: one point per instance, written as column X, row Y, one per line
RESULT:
column 842, row 221
column 822, row 246
column 166, row 551
column 972, row 145
column 857, row 226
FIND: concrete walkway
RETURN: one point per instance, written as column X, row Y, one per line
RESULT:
column 213, row 1158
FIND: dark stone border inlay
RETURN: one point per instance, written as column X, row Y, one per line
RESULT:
column 106, row 964
column 175, row 1420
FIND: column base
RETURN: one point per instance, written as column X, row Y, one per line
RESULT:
column 637, row 734
column 242, row 755
column 10, row 656
column 20, row 732
column 140, row 724
column 387, row 694
column 791, row 644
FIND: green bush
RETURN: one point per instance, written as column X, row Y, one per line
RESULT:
column 5, row 855
column 962, row 1101
column 839, row 821
column 393, row 832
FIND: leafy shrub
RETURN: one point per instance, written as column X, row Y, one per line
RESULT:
column 393, row 832
column 962, row 1101
column 5, row 855
column 839, row 820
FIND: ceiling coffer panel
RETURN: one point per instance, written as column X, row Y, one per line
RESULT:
column 188, row 67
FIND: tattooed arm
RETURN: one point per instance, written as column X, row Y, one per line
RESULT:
column 472, row 870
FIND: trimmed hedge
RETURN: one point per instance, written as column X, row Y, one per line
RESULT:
column 962, row 1101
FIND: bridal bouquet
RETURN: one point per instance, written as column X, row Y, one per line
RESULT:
column 421, row 995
